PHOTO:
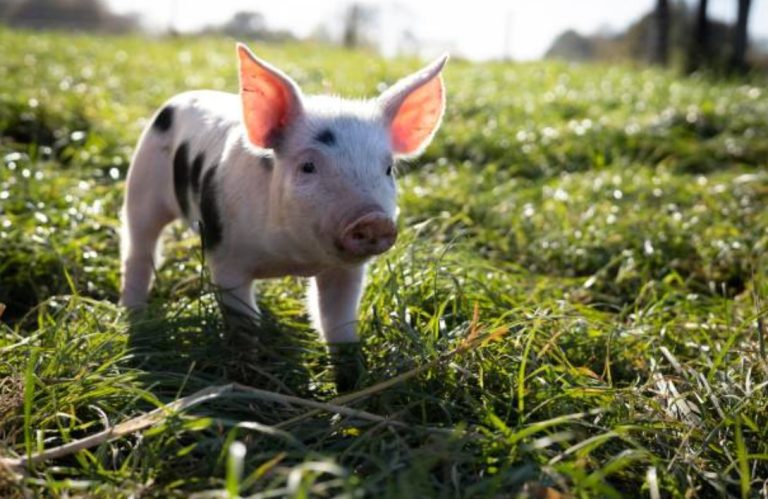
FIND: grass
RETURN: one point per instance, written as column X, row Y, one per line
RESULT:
column 607, row 225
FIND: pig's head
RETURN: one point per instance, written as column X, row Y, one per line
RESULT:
column 333, row 181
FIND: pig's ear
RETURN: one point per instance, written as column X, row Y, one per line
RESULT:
column 413, row 108
column 271, row 100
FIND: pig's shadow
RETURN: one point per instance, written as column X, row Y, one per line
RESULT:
column 202, row 345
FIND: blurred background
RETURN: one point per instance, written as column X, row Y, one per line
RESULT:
column 719, row 35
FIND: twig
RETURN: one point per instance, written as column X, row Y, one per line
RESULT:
column 158, row 415
column 321, row 406
column 117, row 431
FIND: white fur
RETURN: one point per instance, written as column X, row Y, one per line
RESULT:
column 276, row 221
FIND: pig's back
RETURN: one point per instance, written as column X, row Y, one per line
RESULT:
column 192, row 130
column 204, row 117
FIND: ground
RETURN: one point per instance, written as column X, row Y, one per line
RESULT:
column 576, row 304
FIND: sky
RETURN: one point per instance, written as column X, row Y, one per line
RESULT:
column 479, row 29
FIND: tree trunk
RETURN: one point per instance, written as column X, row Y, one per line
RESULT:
column 352, row 27
column 660, row 40
column 738, row 61
column 699, row 54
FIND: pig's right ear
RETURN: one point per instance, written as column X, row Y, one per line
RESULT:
column 271, row 100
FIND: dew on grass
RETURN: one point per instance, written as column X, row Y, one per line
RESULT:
column 528, row 210
column 77, row 136
column 96, row 208
column 13, row 157
column 648, row 248
column 548, row 133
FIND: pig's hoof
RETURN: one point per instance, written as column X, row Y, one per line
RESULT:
column 240, row 321
column 348, row 364
column 136, row 313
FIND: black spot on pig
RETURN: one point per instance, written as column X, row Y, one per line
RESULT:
column 164, row 119
column 181, row 177
column 197, row 168
column 275, row 140
column 268, row 162
column 326, row 137
column 211, row 229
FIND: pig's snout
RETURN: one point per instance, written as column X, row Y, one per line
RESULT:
column 371, row 234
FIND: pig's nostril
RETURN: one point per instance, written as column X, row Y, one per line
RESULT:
column 370, row 235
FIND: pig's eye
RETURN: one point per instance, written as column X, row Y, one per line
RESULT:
column 308, row 167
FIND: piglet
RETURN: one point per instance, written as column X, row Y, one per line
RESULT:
column 277, row 183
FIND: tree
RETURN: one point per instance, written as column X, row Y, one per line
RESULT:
column 358, row 20
column 660, row 42
column 7, row 7
column 738, row 62
column 245, row 25
column 699, row 53
column 68, row 15
column 571, row 46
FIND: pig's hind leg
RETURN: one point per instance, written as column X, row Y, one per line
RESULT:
column 149, row 206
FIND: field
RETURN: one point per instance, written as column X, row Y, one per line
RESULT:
column 577, row 304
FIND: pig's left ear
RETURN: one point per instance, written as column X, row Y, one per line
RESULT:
column 413, row 108
column 271, row 100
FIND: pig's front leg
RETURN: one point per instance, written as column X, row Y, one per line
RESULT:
column 334, row 298
column 235, row 289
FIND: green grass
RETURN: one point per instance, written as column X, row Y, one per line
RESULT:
column 611, row 219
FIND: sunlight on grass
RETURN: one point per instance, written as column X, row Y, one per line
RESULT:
column 596, row 234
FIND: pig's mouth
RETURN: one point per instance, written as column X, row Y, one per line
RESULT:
column 347, row 259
